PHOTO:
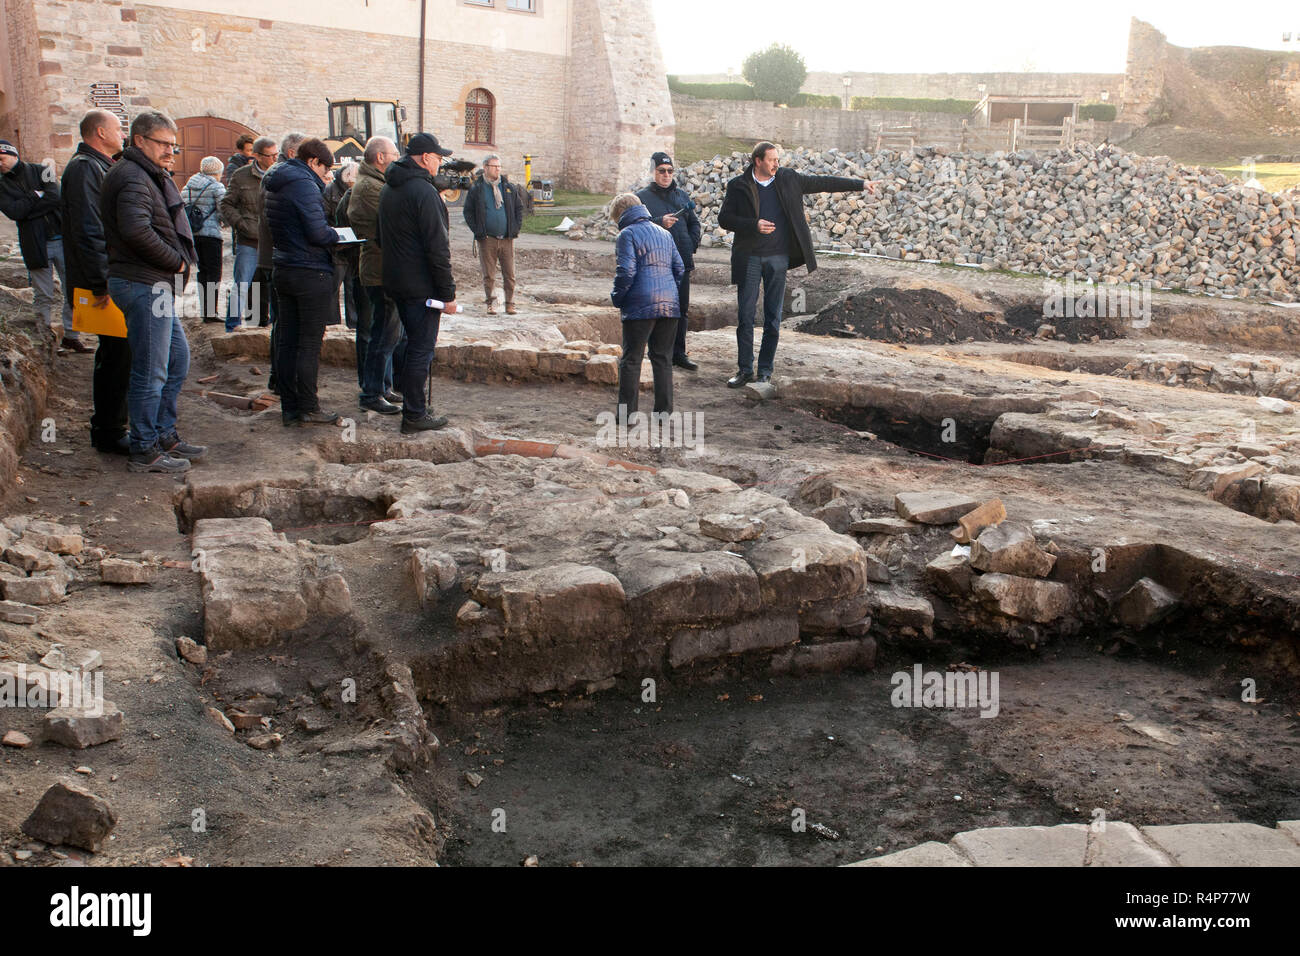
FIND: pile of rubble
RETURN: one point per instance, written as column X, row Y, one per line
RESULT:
column 1245, row 375
column 1084, row 213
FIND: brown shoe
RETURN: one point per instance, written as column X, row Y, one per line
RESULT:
column 511, row 310
column 491, row 310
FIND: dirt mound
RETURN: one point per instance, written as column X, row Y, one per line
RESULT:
column 923, row 315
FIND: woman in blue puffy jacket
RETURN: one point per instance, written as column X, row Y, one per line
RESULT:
column 302, row 242
column 648, row 271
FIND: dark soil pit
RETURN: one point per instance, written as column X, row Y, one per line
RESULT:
column 953, row 441
column 715, row 775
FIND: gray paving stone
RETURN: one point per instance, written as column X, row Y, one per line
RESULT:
column 1063, row 845
column 927, row 854
column 1121, row 844
column 1225, row 844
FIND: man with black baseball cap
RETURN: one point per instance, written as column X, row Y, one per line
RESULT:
column 414, row 237
column 29, row 195
column 672, row 208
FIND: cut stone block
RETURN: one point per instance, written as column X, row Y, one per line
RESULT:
column 883, row 526
column 729, row 527
column 602, row 370
column 1279, row 498
column 926, row 854
column 1010, row 549
column 1064, row 845
column 1224, row 844
column 70, row 815
column 933, row 507
column 899, row 609
column 859, row 654
column 58, row 538
column 1121, row 844
column 831, row 617
column 950, row 573
column 707, row 643
column 81, row 727
column 117, row 571
column 13, row 612
column 258, row 588
column 1029, row 599
column 565, row 602
column 28, row 557
column 1215, row 479
column 759, row 391
column 807, row 567
column 1145, row 603
column 45, row 587
column 675, row 587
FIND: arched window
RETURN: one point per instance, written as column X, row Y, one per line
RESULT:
column 479, row 108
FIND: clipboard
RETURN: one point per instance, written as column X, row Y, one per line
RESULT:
column 86, row 318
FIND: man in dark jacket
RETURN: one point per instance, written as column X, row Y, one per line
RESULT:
column 241, row 157
column 763, row 206
column 150, row 251
column 413, row 234
column 241, row 208
column 647, row 273
column 378, row 345
column 671, row 208
column 303, row 256
column 494, row 209
column 29, row 195
column 86, row 255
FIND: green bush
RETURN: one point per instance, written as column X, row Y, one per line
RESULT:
column 712, row 91
column 1101, row 112
column 909, row 104
column 817, row 100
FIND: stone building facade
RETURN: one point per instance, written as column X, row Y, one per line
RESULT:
column 578, row 84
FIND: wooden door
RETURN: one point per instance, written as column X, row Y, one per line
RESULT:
column 200, row 136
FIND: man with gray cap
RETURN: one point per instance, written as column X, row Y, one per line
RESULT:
column 29, row 195
column 413, row 234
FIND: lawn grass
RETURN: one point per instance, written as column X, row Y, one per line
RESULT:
column 567, row 197
column 1272, row 176
column 542, row 225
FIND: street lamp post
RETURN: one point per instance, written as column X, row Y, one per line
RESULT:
column 847, row 81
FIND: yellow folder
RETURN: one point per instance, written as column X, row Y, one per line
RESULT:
column 98, row 321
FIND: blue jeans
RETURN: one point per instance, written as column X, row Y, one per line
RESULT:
column 771, row 271
column 383, row 348
column 42, row 283
column 160, row 359
column 421, row 326
column 237, row 306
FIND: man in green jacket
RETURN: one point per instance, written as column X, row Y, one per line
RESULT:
column 378, row 347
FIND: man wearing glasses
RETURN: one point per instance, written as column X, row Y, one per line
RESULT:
column 241, row 208
column 673, row 209
column 493, row 211
column 150, row 251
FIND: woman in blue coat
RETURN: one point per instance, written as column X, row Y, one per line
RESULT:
column 303, row 274
column 648, row 271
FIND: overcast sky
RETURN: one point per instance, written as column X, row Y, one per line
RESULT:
column 942, row 36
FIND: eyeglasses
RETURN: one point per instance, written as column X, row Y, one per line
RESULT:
column 664, row 169
column 270, row 155
column 170, row 144
column 493, row 165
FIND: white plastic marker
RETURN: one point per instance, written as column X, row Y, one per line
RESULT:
column 442, row 306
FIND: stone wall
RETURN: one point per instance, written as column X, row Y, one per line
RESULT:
column 960, row 86
column 1144, row 76
column 620, row 111
column 592, row 126
column 803, row 126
